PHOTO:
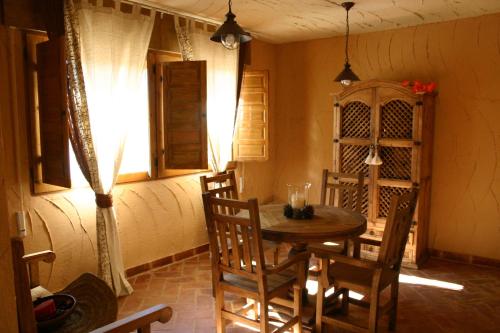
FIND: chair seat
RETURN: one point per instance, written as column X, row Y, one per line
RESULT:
column 274, row 281
column 336, row 247
column 349, row 276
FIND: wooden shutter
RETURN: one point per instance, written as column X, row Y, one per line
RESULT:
column 54, row 137
column 184, row 116
column 251, row 138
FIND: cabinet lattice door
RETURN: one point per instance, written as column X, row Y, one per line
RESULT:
column 400, row 124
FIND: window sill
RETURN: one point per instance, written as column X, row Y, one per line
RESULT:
column 138, row 177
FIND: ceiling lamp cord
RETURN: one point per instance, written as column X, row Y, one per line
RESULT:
column 347, row 37
column 347, row 76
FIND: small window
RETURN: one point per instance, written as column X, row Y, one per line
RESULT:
column 251, row 139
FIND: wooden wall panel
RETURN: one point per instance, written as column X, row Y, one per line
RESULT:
column 251, row 139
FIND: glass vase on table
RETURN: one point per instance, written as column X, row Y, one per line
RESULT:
column 298, row 202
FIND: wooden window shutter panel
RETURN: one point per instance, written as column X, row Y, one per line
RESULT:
column 184, row 115
column 54, row 131
column 251, row 139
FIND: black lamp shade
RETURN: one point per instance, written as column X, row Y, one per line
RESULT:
column 347, row 74
column 230, row 27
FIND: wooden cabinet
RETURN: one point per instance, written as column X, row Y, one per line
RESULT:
column 401, row 123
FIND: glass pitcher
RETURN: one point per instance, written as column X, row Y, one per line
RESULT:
column 298, row 195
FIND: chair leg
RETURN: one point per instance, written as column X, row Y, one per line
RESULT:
column 373, row 316
column 394, row 310
column 276, row 255
column 219, row 306
column 297, row 308
column 345, row 300
column 264, row 315
column 320, row 298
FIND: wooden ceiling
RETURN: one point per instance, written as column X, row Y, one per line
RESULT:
column 282, row 21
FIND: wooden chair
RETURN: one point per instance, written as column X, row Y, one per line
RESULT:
column 224, row 186
column 26, row 272
column 343, row 190
column 368, row 277
column 243, row 272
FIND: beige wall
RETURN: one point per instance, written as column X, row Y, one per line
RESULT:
column 8, row 322
column 463, row 57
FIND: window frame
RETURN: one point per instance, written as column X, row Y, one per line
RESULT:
column 153, row 58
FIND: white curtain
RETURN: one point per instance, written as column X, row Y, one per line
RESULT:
column 222, row 68
column 112, row 47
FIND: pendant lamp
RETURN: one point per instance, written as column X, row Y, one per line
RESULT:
column 376, row 159
column 230, row 34
column 369, row 158
column 347, row 76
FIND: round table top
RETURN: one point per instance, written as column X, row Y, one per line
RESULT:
column 328, row 224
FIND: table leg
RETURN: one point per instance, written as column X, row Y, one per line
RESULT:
column 296, row 249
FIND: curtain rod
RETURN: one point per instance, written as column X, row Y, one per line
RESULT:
column 167, row 10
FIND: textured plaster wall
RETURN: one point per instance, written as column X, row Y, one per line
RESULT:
column 463, row 57
column 8, row 314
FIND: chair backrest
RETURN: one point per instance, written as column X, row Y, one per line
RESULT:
column 221, row 186
column 397, row 228
column 225, row 230
column 343, row 190
column 26, row 317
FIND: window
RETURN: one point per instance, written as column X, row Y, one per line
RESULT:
column 178, row 99
column 251, row 139
column 168, row 137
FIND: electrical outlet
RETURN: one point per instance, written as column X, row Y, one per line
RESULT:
column 21, row 224
column 242, row 183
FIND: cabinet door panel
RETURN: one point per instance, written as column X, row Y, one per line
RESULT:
column 396, row 120
column 397, row 163
column 355, row 120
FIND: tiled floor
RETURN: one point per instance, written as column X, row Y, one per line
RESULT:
column 426, row 303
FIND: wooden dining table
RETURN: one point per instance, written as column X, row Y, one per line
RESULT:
column 328, row 224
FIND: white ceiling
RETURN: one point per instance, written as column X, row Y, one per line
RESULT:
column 281, row 21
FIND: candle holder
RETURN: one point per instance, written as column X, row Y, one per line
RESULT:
column 298, row 202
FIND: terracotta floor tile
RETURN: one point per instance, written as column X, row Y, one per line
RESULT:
column 426, row 306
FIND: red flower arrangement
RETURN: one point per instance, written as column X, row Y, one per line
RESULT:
column 419, row 87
